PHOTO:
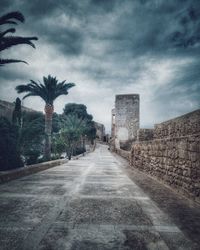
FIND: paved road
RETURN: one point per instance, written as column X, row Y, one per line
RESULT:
column 87, row 204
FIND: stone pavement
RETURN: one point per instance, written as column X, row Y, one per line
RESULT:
column 94, row 203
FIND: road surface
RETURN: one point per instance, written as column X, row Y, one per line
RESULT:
column 89, row 204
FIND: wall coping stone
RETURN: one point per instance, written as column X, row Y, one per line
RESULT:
column 6, row 176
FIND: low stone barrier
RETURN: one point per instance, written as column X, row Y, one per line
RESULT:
column 123, row 153
column 6, row 176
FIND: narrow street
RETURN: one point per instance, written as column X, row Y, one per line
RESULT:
column 91, row 203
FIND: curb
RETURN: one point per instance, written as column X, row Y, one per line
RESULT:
column 28, row 170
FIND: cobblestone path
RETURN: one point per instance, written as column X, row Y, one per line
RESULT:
column 91, row 203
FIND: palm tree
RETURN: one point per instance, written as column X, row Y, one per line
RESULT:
column 49, row 90
column 72, row 131
column 7, row 41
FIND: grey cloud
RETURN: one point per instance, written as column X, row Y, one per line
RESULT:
column 102, row 5
column 115, row 43
column 152, row 26
column 181, row 94
column 42, row 20
column 69, row 41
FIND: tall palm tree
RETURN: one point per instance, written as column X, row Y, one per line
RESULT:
column 7, row 41
column 49, row 90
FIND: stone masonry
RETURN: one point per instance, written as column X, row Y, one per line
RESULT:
column 171, row 153
column 125, row 119
column 100, row 131
column 6, row 109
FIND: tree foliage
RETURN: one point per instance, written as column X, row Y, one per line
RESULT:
column 17, row 113
column 9, row 151
column 58, row 145
column 72, row 132
column 31, row 139
column 49, row 90
column 80, row 110
column 7, row 41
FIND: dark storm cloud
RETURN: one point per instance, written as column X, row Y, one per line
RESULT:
column 40, row 9
column 43, row 18
column 9, row 75
column 102, row 5
column 118, row 43
column 140, row 26
column 156, row 26
column 182, row 93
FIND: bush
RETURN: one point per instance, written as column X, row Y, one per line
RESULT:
column 9, row 151
column 32, row 156
column 55, row 157
column 79, row 151
column 32, row 136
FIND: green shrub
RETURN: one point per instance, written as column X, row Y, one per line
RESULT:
column 32, row 156
column 9, row 150
column 78, row 151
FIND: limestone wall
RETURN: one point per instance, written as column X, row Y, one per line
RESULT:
column 145, row 134
column 6, row 109
column 100, row 131
column 113, row 123
column 181, row 126
column 126, row 118
column 173, row 156
column 123, row 153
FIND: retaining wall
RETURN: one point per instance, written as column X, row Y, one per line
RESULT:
column 31, row 169
column 173, row 156
column 123, row 153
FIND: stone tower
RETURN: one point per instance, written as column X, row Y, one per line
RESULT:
column 127, row 109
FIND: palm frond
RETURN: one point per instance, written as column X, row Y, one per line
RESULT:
column 12, row 30
column 49, row 90
column 30, row 94
column 62, row 89
column 22, row 88
column 7, row 18
column 10, row 22
column 9, row 41
column 6, row 61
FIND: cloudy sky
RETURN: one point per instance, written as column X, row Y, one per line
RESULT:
column 109, row 47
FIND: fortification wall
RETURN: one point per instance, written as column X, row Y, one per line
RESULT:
column 144, row 134
column 100, row 131
column 126, row 118
column 173, row 155
column 6, row 109
column 185, row 125
column 123, row 153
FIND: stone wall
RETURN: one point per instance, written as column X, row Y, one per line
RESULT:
column 123, row 153
column 181, row 126
column 6, row 176
column 113, row 123
column 100, row 131
column 144, row 134
column 173, row 156
column 6, row 109
column 125, row 119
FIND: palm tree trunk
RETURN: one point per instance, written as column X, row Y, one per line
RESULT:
column 48, row 129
